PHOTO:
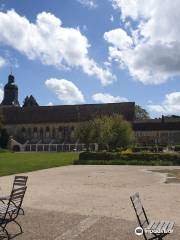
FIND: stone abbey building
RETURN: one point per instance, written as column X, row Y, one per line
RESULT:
column 51, row 128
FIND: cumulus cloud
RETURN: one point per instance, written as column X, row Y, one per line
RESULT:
column 171, row 104
column 65, row 90
column 88, row 3
column 2, row 62
column 108, row 98
column 50, row 104
column 50, row 42
column 1, row 94
column 151, row 50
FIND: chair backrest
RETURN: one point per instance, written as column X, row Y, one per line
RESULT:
column 20, row 181
column 139, row 210
column 15, row 202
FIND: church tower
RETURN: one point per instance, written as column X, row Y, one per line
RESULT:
column 10, row 93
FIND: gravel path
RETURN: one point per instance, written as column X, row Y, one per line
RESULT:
column 92, row 202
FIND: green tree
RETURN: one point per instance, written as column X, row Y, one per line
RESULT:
column 141, row 113
column 121, row 133
column 112, row 131
column 83, row 133
column 4, row 138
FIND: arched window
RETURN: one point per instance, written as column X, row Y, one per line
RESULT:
column 23, row 132
column 47, row 132
column 41, row 132
column 35, row 132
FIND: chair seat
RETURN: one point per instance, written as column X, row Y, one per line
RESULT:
column 160, row 227
column 3, row 208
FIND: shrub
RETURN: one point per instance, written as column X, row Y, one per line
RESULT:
column 177, row 148
column 129, row 158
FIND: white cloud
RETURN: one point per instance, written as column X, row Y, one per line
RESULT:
column 107, row 98
column 154, row 55
column 2, row 62
column 119, row 38
column 1, row 94
column 112, row 18
column 50, row 104
column 65, row 90
column 88, row 3
column 51, row 43
column 171, row 104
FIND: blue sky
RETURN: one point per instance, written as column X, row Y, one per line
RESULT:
column 87, row 51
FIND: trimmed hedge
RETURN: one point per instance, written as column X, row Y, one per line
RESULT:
column 116, row 158
column 148, row 149
column 177, row 148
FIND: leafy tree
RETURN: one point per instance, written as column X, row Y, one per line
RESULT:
column 121, row 134
column 112, row 131
column 30, row 102
column 4, row 138
column 84, row 133
column 141, row 113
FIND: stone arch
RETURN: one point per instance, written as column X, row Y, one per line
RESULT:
column 47, row 132
column 41, row 133
column 35, row 132
column 16, row 148
column 23, row 131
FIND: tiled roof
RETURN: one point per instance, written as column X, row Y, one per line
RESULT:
column 66, row 113
column 150, row 125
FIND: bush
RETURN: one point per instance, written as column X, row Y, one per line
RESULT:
column 177, row 148
column 129, row 158
column 148, row 149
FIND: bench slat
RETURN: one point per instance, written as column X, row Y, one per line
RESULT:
column 160, row 226
column 165, row 226
column 150, row 225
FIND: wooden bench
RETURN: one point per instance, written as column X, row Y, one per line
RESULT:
column 159, row 229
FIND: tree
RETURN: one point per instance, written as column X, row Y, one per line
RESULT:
column 30, row 102
column 4, row 138
column 83, row 133
column 141, row 113
column 112, row 131
column 121, row 134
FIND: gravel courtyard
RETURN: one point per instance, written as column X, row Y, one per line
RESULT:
column 92, row 202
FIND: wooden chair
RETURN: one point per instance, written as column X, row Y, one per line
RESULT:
column 10, row 211
column 159, row 229
column 19, row 181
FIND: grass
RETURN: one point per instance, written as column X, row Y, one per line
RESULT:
column 13, row 163
column 173, row 175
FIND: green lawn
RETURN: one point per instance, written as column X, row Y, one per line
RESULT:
column 13, row 163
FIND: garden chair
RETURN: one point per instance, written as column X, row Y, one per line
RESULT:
column 10, row 211
column 19, row 181
column 156, row 229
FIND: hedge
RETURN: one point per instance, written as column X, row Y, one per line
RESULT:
column 130, row 158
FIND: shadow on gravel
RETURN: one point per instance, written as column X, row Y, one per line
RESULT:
column 50, row 225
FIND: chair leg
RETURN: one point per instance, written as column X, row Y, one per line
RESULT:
column 6, row 233
column 22, row 210
column 18, row 225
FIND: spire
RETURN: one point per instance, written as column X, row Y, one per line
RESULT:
column 10, row 92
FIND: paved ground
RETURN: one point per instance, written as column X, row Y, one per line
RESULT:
column 92, row 202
